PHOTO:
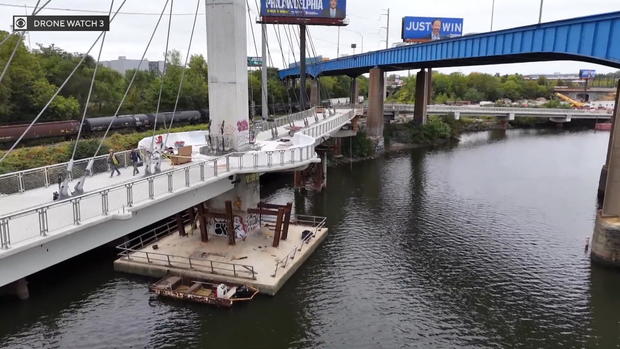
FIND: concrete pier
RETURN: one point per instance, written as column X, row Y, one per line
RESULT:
column 422, row 96
column 606, row 236
column 272, row 266
column 606, row 241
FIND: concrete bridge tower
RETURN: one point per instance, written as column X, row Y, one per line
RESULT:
column 228, row 72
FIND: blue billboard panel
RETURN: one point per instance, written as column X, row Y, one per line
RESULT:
column 310, row 9
column 587, row 73
column 423, row 29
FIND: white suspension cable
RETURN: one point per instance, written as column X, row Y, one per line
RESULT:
column 149, row 156
column 57, row 90
column 20, row 38
column 133, row 78
column 189, row 47
column 90, row 89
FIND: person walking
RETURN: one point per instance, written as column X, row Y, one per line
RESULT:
column 136, row 160
column 113, row 161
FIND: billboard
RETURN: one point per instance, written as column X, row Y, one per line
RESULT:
column 424, row 29
column 587, row 73
column 326, row 12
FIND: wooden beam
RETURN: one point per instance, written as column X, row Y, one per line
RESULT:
column 192, row 218
column 261, row 212
column 276, row 234
column 202, row 217
column 287, row 219
column 180, row 225
column 231, row 223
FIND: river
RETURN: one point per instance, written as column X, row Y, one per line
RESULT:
column 478, row 245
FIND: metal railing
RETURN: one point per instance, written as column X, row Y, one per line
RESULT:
column 543, row 112
column 273, row 125
column 324, row 128
column 34, row 223
column 315, row 223
column 133, row 251
column 45, row 176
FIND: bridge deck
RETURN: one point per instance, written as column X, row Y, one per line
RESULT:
column 32, row 218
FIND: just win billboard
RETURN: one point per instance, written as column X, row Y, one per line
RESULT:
column 319, row 12
column 424, row 29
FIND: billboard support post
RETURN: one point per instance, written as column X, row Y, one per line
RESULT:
column 302, row 66
column 264, row 98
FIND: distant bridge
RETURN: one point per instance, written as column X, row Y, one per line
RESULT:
column 558, row 115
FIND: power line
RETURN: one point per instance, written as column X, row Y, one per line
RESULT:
column 98, row 11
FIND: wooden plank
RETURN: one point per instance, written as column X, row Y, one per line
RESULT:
column 287, row 219
column 231, row 223
column 262, row 212
column 276, row 235
column 180, row 225
column 204, row 236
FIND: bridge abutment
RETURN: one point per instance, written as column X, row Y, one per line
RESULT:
column 606, row 236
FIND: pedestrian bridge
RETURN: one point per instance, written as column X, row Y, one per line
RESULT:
column 37, row 232
column 587, row 39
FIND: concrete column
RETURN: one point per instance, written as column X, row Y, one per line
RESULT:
column 421, row 97
column 375, row 103
column 611, row 202
column 354, row 91
column 228, row 73
column 429, row 86
column 315, row 92
column 606, row 236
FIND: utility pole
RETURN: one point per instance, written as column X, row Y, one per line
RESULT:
column 338, row 47
column 540, row 12
column 387, row 45
column 302, row 66
column 387, row 30
column 492, row 14
column 265, row 99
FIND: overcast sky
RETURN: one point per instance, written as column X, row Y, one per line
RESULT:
column 130, row 31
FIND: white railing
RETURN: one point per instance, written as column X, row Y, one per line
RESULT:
column 273, row 125
column 45, row 176
column 35, row 223
column 315, row 224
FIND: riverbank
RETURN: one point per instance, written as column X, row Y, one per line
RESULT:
column 440, row 132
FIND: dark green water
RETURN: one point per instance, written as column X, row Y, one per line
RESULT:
column 481, row 245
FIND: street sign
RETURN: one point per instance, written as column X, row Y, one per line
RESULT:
column 255, row 61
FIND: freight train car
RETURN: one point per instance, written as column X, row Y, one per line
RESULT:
column 10, row 133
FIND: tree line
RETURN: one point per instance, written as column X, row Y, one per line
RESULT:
column 34, row 76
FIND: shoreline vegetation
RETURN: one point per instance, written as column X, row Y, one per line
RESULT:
column 437, row 132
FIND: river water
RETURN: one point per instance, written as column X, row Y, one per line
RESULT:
column 478, row 245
